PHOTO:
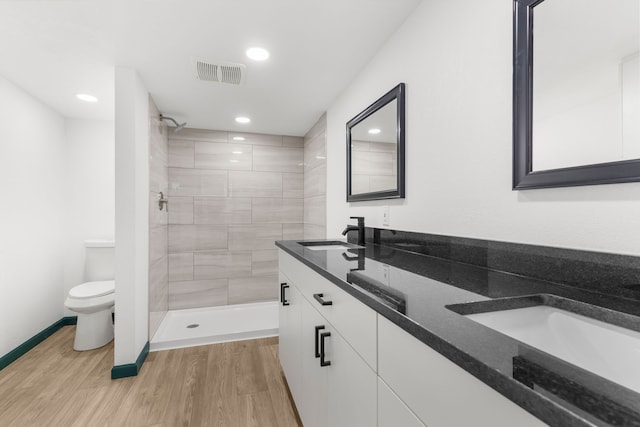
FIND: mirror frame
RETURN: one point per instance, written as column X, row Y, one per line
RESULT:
column 523, row 176
column 398, row 94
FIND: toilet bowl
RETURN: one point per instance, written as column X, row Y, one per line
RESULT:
column 92, row 301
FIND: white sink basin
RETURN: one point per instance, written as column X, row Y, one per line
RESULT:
column 607, row 350
column 327, row 247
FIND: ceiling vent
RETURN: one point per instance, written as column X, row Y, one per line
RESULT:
column 219, row 72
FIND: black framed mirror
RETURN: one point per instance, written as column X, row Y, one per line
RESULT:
column 576, row 93
column 375, row 149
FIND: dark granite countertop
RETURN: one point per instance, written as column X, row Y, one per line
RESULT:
column 413, row 291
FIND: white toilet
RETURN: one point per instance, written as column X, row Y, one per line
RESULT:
column 93, row 300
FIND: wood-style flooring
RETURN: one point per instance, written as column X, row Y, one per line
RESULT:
column 233, row 385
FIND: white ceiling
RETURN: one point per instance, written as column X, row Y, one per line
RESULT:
column 55, row 49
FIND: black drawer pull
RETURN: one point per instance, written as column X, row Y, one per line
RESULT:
column 322, row 355
column 318, row 297
column 318, row 328
column 283, row 299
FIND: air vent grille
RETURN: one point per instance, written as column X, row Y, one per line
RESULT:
column 219, row 72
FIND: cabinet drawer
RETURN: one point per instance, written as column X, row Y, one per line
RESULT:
column 437, row 390
column 306, row 279
column 352, row 319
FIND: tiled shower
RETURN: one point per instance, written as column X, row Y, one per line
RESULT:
column 229, row 201
column 231, row 195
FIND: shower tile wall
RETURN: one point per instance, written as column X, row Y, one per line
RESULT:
column 315, row 181
column 229, row 201
column 158, row 259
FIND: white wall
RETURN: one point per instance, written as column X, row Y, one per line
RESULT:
column 90, row 191
column 630, row 71
column 456, row 58
column 132, row 215
column 31, row 216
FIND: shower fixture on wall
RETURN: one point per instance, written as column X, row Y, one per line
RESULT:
column 178, row 127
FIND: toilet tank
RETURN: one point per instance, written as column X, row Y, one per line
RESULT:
column 99, row 260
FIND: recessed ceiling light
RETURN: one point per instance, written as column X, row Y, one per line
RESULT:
column 236, row 152
column 238, row 138
column 234, row 161
column 243, row 119
column 86, row 97
column 374, row 131
column 257, row 53
column 320, row 157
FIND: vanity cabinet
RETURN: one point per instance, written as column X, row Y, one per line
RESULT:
column 331, row 383
column 379, row 375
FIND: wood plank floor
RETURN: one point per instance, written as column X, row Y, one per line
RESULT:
column 232, row 385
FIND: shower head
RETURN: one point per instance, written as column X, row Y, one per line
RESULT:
column 178, row 127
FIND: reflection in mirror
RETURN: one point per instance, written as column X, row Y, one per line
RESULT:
column 576, row 93
column 586, row 82
column 375, row 149
column 374, row 152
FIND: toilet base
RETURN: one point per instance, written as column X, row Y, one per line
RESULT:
column 93, row 330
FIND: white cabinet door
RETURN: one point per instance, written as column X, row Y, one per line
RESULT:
column 289, row 330
column 351, row 386
column 341, row 393
column 312, row 405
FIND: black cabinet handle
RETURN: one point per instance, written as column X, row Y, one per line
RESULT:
column 283, row 299
column 318, row 297
column 322, row 355
column 318, row 328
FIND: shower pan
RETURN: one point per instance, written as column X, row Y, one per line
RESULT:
column 211, row 325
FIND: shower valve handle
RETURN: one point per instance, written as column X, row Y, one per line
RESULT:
column 162, row 202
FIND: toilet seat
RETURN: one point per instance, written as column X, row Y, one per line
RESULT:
column 92, row 289
column 91, row 305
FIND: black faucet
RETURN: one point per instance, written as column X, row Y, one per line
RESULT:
column 359, row 228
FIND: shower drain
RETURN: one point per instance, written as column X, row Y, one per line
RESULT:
column 193, row 325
